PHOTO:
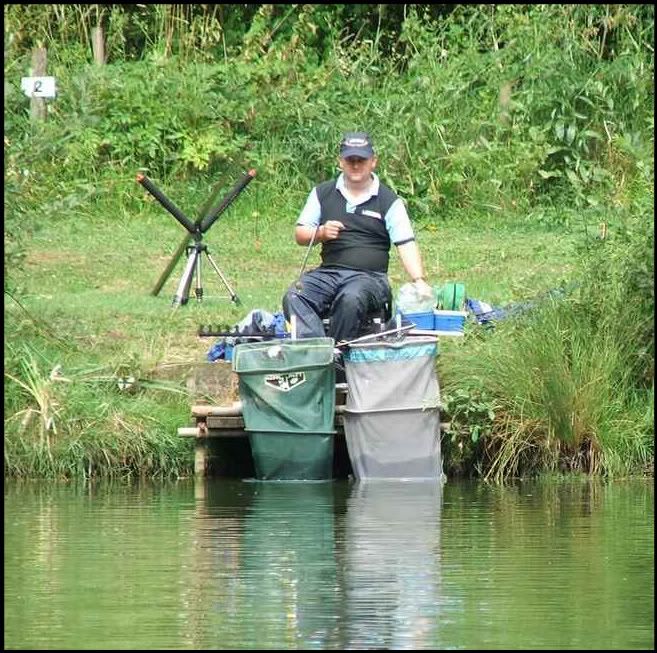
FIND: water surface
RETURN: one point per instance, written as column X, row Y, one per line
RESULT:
column 337, row 565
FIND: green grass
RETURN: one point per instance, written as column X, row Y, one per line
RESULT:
column 86, row 287
column 557, row 387
column 553, row 391
column 119, row 252
column 505, row 199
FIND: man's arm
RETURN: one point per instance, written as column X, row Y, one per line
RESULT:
column 328, row 231
column 409, row 253
column 401, row 233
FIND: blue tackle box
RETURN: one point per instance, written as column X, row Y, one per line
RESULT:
column 423, row 320
column 449, row 323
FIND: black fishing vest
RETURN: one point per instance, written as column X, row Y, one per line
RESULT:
column 364, row 243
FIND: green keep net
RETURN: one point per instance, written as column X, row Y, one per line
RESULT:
column 287, row 388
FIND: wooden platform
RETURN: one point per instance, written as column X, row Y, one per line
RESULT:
column 211, row 423
column 222, row 446
column 221, row 443
column 213, row 426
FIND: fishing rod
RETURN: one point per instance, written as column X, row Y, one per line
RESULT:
column 372, row 336
column 298, row 284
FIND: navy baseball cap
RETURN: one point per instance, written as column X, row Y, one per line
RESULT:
column 356, row 144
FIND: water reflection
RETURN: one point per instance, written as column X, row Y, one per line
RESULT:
column 548, row 565
column 270, row 562
column 391, row 564
column 215, row 559
column 318, row 565
column 230, row 564
column 289, row 549
column 94, row 565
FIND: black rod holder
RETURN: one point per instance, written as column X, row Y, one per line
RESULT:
column 196, row 231
column 212, row 215
column 166, row 203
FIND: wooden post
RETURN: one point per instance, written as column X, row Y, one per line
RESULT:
column 200, row 488
column 38, row 109
column 201, row 457
column 98, row 45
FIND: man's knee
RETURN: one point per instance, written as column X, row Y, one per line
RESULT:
column 286, row 303
column 351, row 301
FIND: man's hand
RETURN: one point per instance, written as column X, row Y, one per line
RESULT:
column 423, row 288
column 330, row 230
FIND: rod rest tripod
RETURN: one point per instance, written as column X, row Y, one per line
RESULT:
column 195, row 230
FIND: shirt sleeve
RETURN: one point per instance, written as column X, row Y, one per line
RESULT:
column 398, row 223
column 311, row 212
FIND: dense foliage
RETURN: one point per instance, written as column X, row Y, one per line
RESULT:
column 470, row 105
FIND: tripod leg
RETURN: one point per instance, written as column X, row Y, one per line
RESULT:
column 233, row 296
column 182, row 294
column 199, row 287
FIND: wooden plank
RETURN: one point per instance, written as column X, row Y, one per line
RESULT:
column 226, row 433
column 200, row 458
column 98, row 45
column 192, row 432
column 237, row 433
column 236, row 422
column 205, row 410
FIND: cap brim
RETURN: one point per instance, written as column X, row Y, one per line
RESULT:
column 357, row 151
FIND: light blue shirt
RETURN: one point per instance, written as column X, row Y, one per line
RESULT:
column 396, row 219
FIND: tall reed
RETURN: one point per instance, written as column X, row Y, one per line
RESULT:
column 569, row 382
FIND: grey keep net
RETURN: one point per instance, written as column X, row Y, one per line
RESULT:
column 392, row 418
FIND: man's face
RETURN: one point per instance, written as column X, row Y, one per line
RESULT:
column 357, row 170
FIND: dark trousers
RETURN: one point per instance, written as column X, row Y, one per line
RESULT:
column 344, row 296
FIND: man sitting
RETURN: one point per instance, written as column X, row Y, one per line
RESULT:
column 356, row 218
